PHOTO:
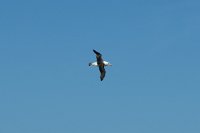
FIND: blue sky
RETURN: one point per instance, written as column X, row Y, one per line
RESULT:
column 46, row 85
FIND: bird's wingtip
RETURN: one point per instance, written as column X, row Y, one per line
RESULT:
column 101, row 79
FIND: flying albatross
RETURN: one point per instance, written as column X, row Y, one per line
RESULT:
column 100, row 63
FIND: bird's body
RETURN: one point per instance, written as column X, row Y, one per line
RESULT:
column 100, row 63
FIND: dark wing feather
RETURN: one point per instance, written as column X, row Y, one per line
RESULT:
column 97, row 53
column 102, row 71
column 99, row 57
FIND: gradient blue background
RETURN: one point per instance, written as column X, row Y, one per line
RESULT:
column 46, row 85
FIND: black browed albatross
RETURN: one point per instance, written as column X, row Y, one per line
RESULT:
column 100, row 63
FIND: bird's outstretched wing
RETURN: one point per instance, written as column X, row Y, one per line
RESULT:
column 97, row 53
column 102, row 72
column 99, row 57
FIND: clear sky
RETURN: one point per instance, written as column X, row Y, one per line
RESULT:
column 46, row 85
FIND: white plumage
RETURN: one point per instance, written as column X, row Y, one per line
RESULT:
column 104, row 62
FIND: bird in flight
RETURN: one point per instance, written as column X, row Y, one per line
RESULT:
column 101, row 64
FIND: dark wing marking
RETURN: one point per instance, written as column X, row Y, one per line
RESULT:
column 102, row 71
column 97, row 53
column 99, row 57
